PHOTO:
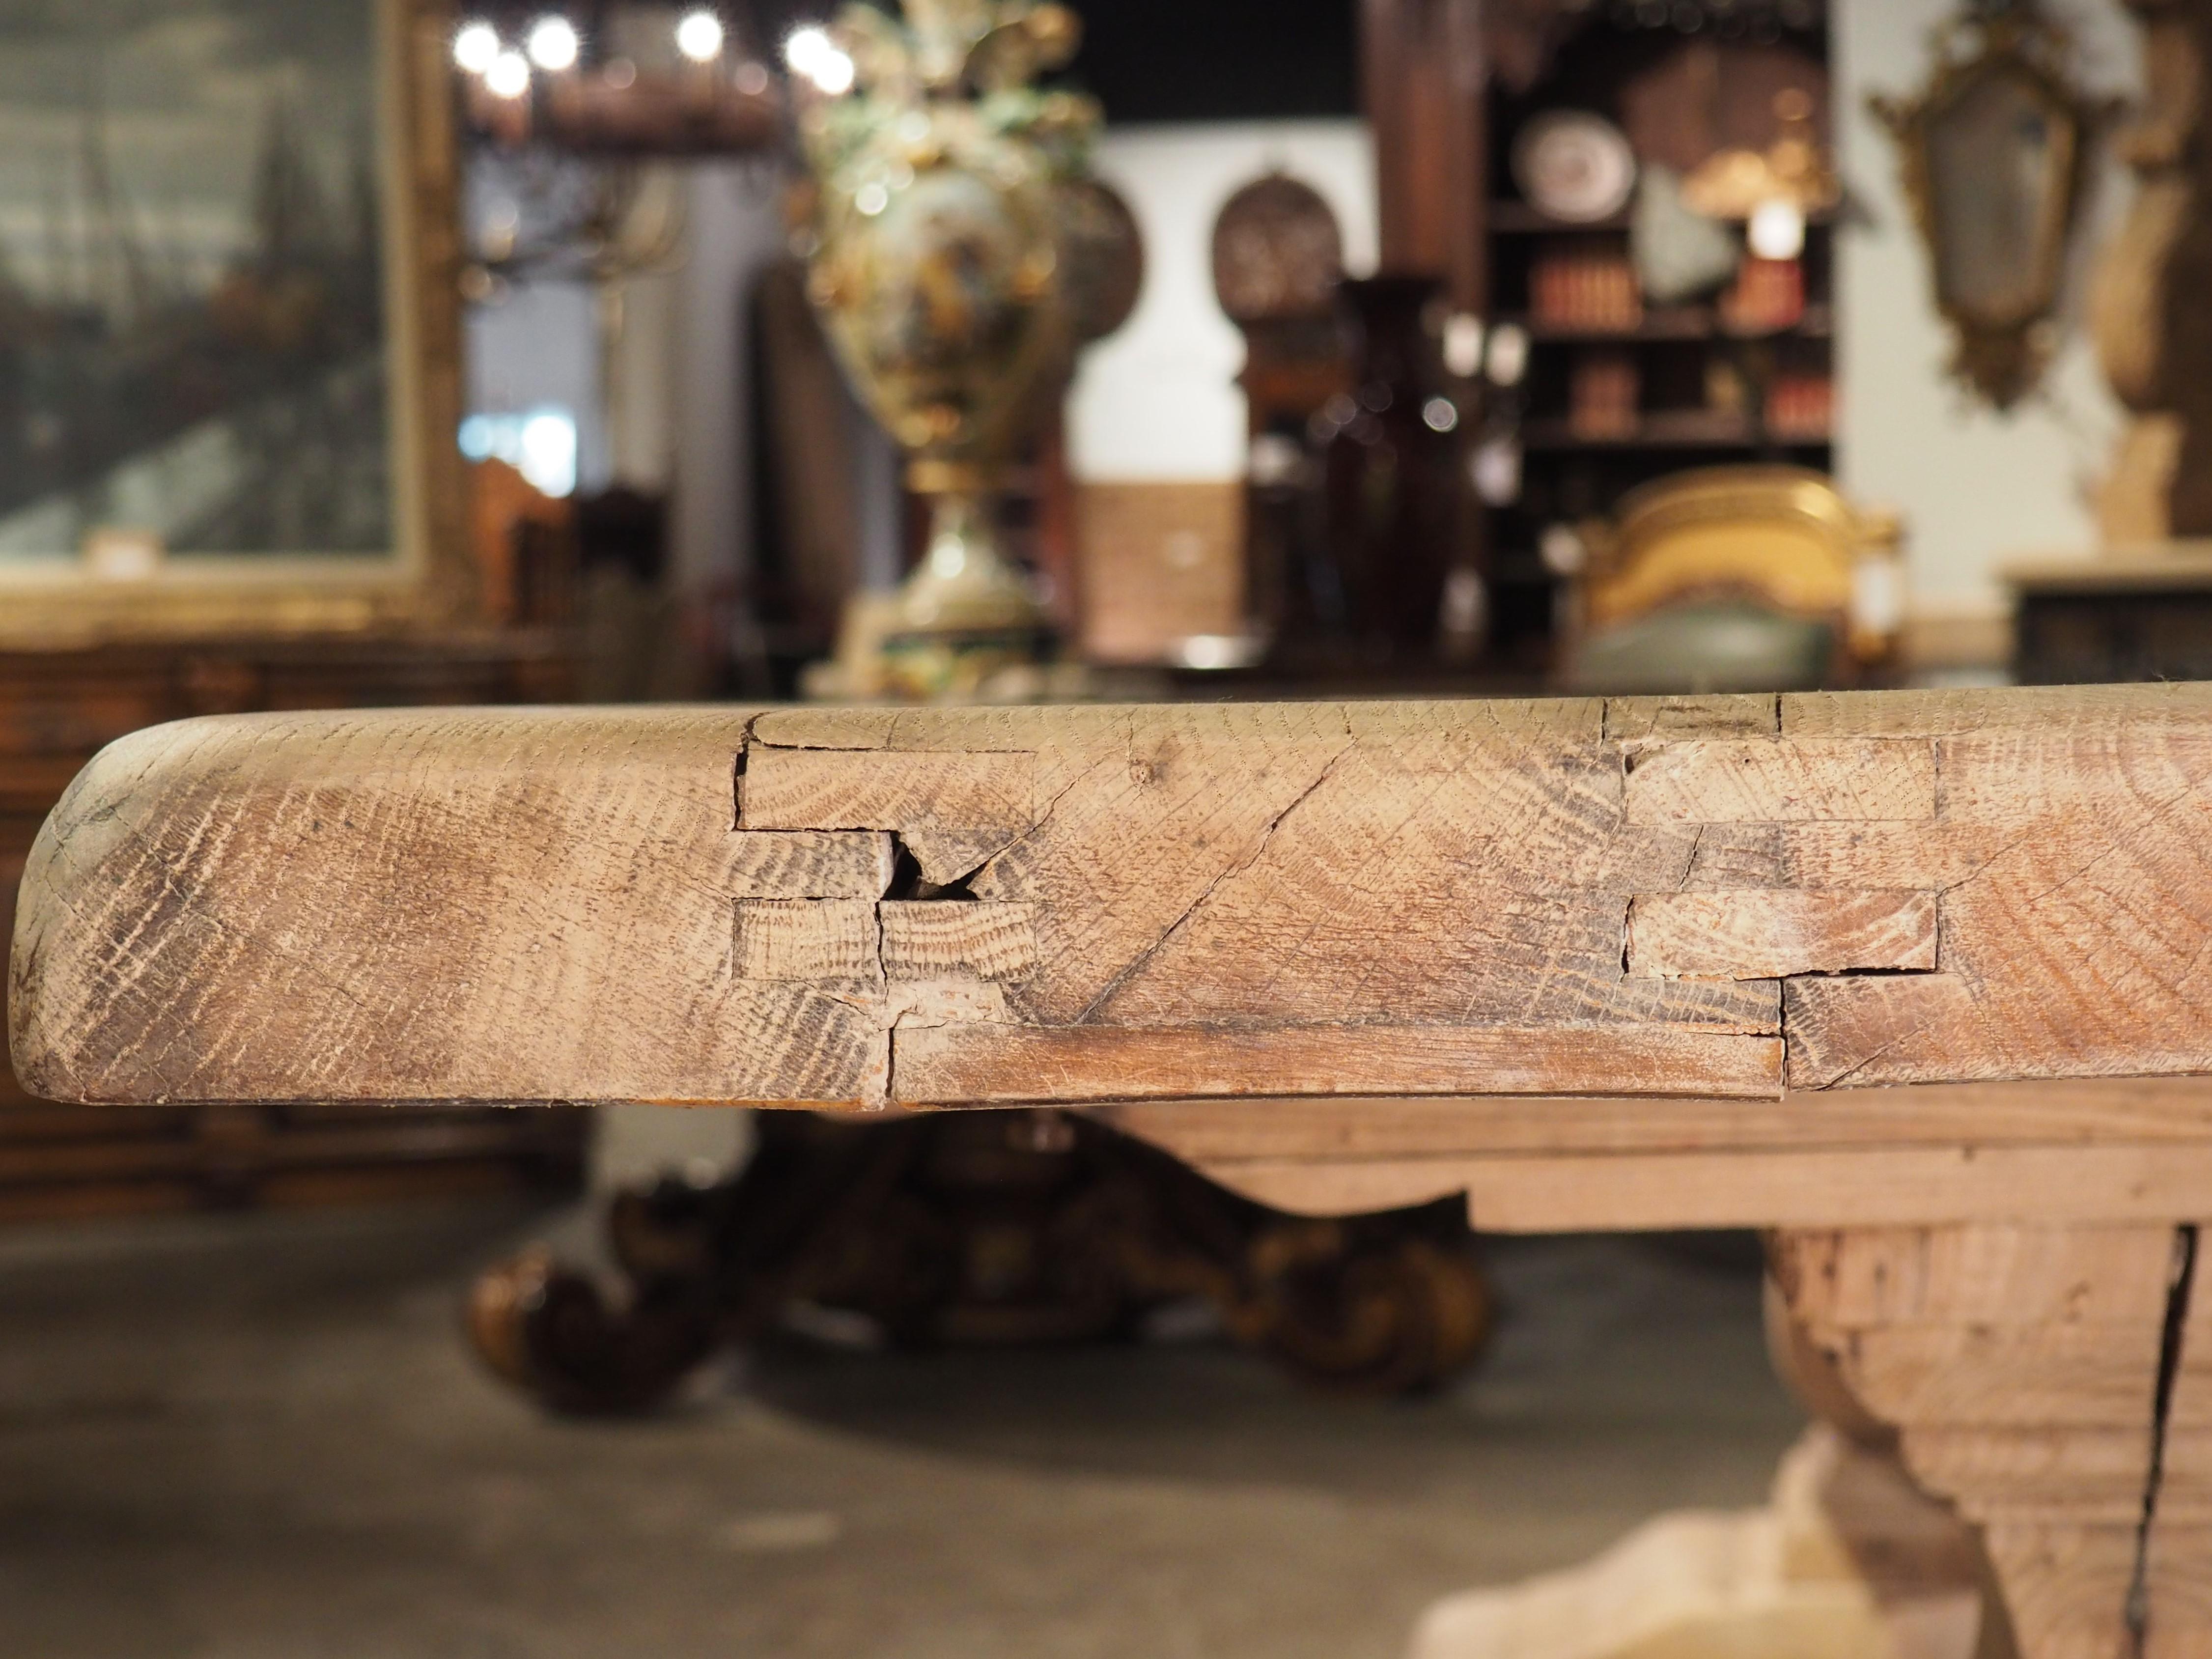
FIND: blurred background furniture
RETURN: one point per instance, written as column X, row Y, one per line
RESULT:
column 979, row 1229
column 1587, row 364
column 2144, row 616
column 1731, row 579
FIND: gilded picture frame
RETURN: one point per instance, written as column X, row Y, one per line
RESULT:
column 423, row 577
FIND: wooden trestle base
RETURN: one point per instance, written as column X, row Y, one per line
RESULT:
column 1917, row 983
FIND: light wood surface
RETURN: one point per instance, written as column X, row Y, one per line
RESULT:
column 2021, row 1368
column 1713, row 897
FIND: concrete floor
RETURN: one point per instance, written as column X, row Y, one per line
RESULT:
column 260, row 1437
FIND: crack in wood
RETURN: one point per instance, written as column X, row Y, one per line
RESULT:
column 2172, row 1338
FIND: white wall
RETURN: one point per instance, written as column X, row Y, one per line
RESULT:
column 1978, row 488
column 735, row 227
column 538, row 346
column 1158, row 401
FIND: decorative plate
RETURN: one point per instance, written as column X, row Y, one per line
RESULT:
column 1574, row 166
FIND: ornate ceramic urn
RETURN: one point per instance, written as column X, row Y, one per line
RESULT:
column 937, row 235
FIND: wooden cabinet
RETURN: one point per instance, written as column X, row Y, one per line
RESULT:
column 57, row 709
column 2137, row 617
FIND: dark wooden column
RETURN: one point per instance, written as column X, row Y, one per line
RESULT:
column 1423, row 72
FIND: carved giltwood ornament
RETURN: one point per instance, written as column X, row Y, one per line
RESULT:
column 1993, row 151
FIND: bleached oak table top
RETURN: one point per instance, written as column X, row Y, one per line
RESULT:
column 1924, row 980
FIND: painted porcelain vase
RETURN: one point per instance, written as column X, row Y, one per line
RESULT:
column 936, row 239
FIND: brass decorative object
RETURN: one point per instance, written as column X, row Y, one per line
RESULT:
column 943, row 210
column 1994, row 152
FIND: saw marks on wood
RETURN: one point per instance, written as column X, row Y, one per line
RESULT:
column 795, row 939
column 958, row 941
column 439, row 905
column 1716, row 897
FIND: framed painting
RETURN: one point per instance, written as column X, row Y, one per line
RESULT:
column 229, row 363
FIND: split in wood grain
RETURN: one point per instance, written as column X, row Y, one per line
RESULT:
column 1772, row 934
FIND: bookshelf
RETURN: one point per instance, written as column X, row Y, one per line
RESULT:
column 1618, row 390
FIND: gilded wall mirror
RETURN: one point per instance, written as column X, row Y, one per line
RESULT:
column 1993, row 151
column 228, row 323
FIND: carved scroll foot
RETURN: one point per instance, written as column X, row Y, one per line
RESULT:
column 981, row 1228
column 551, row 1333
column 2027, row 1373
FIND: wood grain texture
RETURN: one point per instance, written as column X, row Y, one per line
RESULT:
column 1836, row 1188
column 2019, row 1367
column 815, row 789
column 1701, row 715
column 1007, row 1064
column 1784, row 780
column 810, row 865
column 1773, row 934
column 534, row 906
column 1701, row 896
column 1350, row 1128
column 801, row 939
column 958, row 941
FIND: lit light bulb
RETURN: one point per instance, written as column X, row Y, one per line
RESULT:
column 474, row 45
column 554, row 45
column 812, row 54
column 806, row 48
column 1776, row 230
column 699, row 36
column 507, row 75
column 833, row 74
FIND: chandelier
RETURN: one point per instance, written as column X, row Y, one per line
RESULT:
column 619, row 79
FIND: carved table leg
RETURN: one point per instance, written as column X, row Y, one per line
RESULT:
column 2021, row 1368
